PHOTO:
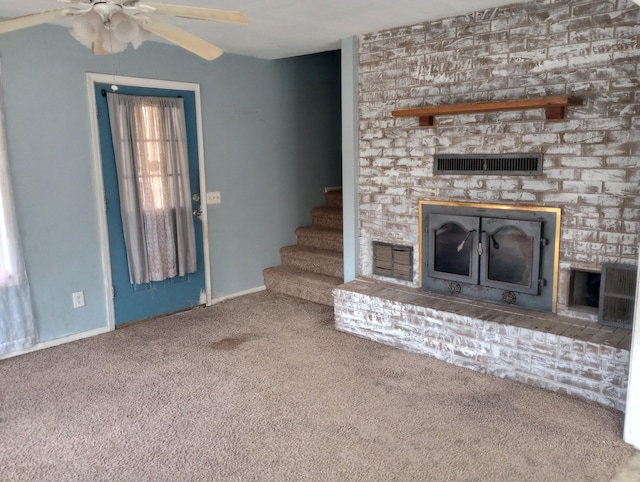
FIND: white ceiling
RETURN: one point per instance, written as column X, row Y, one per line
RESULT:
column 286, row 28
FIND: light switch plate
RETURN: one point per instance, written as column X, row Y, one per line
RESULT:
column 213, row 198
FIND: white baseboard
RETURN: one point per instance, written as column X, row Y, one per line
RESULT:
column 56, row 342
column 100, row 331
column 334, row 188
column 239, row 293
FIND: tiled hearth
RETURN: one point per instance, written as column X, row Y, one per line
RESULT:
column 565, row 355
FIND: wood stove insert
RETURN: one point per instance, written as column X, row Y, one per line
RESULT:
column 502, row 253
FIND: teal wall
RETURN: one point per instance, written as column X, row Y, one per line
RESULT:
column 271, row 141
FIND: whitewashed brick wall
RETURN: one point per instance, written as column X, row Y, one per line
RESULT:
column 587, row 49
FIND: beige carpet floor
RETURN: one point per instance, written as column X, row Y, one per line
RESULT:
column 263, row 388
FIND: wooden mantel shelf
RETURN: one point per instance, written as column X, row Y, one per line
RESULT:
column 555, row 108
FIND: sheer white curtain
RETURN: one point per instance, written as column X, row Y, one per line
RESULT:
column 149, row 141
column 17, row 327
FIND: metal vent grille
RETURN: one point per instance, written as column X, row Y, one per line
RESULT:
column 393, row 261
column 504, row 164
column 617, row 295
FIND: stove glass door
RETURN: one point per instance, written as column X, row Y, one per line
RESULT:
column 511, row 254
column 454, row 242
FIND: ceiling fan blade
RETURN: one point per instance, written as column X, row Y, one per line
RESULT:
column 200, row 13
column 180, row 37
column 11, row 24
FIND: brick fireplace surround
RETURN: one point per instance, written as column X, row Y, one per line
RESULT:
column 540, row 48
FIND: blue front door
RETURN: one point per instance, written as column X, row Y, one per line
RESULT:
column 139, row 301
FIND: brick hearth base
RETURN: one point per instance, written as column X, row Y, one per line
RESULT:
column 565, row 355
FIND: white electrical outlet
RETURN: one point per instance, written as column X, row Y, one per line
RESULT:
column 78, row 299
column 213, row 198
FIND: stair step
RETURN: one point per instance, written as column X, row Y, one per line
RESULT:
column 320, row 237
column 327, row 217
column 322, row 261
column 333, row 199
column 301, row 284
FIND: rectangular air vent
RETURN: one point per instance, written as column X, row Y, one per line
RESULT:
column 502, row 164
column 617, row 295
column 393, row 261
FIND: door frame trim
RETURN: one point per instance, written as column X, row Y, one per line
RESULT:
column 96, row 78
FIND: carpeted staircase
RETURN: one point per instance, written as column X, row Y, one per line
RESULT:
column 313, row 267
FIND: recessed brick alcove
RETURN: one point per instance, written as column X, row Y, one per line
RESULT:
column 565, row 355
column 585, row 49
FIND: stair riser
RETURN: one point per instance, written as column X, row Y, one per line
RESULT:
column 333, row 199
column 327, row 220
column 314, row 263
column 322, row 241
column 293, row 287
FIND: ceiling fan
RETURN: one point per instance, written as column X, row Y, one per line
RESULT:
column 108, row 26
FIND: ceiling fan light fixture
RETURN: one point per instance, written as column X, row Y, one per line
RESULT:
column 111, row 44
column 108, row 36
column 86, row 27
column 141, row 37
column 124, row 28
